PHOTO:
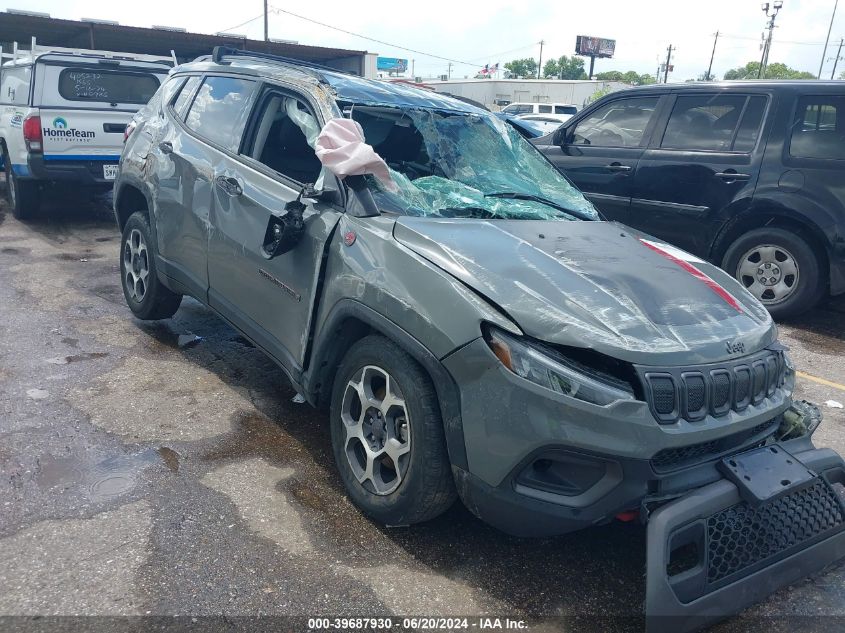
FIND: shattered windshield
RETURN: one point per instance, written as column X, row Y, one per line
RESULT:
column 458, row 164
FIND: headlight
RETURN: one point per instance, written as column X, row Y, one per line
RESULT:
column 551, row 370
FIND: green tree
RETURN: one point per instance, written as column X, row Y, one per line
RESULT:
column 773, row 71
column 598, row 94
column 524, row 68
column 842, row 76
column 564, row 68
column 632, row 77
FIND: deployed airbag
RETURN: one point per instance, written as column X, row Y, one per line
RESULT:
column 342, row 149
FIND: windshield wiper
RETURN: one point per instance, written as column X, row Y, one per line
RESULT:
column 514, row 195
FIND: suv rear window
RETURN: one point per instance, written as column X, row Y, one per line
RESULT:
column 110, row 86
column 818, row 128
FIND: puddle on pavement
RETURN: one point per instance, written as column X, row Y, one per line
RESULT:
column 76, row 358
column 101, row 479
column 70, row 342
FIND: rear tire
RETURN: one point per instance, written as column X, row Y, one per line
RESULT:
column 389, row 444
column 145, row 295
column 778, row 267
column 23, row 196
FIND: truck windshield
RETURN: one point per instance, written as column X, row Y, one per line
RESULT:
column 458, row 164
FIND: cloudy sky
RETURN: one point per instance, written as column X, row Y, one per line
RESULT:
column 499, row 30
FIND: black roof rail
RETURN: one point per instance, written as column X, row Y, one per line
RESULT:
column 220, row 52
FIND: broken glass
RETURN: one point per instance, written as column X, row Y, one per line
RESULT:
column 455, row 164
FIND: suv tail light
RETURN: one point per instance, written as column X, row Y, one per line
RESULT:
column 32, row 133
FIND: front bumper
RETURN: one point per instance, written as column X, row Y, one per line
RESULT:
column 618, row 453
column 712, row 553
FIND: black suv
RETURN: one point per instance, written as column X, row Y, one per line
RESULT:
column 748, row 175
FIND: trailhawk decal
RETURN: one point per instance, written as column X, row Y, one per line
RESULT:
column 686, row 261
column 61, row 132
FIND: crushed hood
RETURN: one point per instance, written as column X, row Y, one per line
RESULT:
column 597, row 285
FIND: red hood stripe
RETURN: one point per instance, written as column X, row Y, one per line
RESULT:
column 698, row 274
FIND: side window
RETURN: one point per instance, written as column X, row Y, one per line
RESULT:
column 545, row 109
column 704, row 122
column 220, row 110
column 285, row 134
column 526, row 108
column 749, row 127
column 185, row 95
column 15, row 85
column 566, row 110
column 819, row 128
column 620, row 123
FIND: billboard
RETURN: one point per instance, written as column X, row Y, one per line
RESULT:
column 594, row 46
column 392, row 64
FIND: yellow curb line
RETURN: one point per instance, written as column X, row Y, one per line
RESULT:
column 821, row 381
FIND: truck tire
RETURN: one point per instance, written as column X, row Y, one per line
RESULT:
column 778, row 267
column 145, row 295
column 23, row 196
column 387, row 435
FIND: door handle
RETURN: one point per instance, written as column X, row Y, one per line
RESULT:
column 731, row 175
column 166, row 147
column 230, row 185
column 618, row 167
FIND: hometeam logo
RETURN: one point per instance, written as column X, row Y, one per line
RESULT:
column 60, row 131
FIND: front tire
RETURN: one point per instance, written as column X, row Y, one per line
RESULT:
column 145, row 295
column 387, row 435
column 23, row 196
column 778, row 267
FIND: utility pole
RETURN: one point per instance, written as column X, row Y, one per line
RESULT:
column 712, row 56
column 829, row 29
column 668, row 61
column 266, row 26
column 540, row 65
column 449, row 71
column 836, row 59
column 413, row 74
column 767, row 45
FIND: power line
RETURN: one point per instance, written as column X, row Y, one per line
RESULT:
column 372, row 39
column 237, row 26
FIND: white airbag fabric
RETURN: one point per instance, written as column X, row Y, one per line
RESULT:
column 343, row 151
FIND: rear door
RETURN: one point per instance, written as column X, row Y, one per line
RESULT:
column 600, row 152
column 85, row 107
column 271, row 299
column 704, row 158
column 205, row 121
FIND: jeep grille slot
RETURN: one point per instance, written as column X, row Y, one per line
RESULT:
column 693, row 393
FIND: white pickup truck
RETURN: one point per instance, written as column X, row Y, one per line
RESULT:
column 63, row 114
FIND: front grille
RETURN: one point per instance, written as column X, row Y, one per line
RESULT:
column 692, row 393
column 682, row 456
column 740, row 537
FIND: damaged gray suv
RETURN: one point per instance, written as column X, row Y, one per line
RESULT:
column 475, row 328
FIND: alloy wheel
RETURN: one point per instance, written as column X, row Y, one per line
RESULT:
column 136, row 265
column 768, row 272
column 378, row 433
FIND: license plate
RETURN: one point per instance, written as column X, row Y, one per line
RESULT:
column 109, row 172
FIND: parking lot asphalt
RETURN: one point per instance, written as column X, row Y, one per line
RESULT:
column 162, row 468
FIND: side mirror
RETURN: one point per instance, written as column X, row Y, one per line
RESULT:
column 284, row 232
column 560, row 135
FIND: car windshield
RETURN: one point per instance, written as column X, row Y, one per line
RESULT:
column 458, row 164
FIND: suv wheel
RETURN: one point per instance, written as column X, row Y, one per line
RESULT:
column 23, row 195
column 387, row 435
column 779, row 268
column 145, row 295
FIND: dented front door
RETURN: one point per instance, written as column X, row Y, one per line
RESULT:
column 270, row 299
